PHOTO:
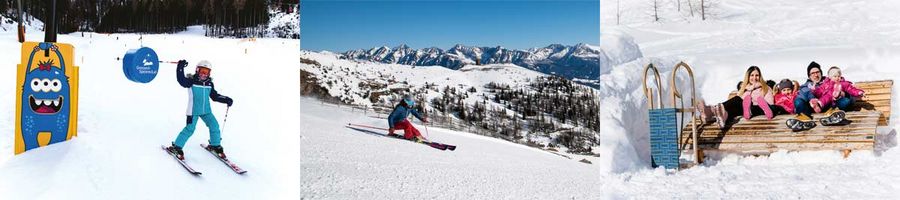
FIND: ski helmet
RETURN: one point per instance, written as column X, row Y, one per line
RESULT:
column 204, row 67
column 204, row 63
column 409, row 100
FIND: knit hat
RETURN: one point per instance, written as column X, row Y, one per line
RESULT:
column 812, row 65
column 785, row 83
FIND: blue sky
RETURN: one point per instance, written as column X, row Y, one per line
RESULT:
column 339, row 26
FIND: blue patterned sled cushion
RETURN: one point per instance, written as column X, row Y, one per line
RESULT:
column 663, row 138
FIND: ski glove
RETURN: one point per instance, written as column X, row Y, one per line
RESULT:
column 182, row 63
column 228, row 101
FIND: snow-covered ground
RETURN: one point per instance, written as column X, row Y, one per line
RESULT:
column 342, row 163
column 781, row 37
column 122, row 123
column 345, row 77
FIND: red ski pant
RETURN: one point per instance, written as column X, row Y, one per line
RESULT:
column 409, row 132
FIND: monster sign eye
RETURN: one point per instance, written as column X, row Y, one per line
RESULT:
column 55, row 85
column 35, row 84
column 45, row 85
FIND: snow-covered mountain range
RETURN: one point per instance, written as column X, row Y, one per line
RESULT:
column 582, row 61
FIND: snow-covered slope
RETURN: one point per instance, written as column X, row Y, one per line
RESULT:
column 342, row 163
column 348, row 74
column 477, row 90
column 781, row 37
column 122, row 124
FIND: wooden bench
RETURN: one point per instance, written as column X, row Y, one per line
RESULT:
column 761, row 136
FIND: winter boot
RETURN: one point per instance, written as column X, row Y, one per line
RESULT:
column 394, row 135
column 801, row 123
column 746, row 105
column 833, row 116
column 216, row 149
column 765, row 107
column 174, row 149
column 705, row 112
column 721, row 116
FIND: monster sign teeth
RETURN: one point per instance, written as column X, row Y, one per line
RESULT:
column 45, row 106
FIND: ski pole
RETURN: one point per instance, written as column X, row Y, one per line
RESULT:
column 427, row 136
column 224, row 120
column 366, row 126
column 161, row 61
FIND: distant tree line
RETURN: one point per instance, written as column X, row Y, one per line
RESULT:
column 548, row 107
column 238, row 18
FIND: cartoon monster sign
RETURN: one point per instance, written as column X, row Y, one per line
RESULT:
column 47, row 87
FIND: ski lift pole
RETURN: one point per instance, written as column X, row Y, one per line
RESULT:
column 50, row 27
column 21, row 26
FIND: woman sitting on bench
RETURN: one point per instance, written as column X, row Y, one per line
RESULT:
column 754, row 97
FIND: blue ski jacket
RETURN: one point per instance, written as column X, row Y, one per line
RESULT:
column 199, row 92
column 400, row 113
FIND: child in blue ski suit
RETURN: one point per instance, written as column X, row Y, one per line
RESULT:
column 200, row 91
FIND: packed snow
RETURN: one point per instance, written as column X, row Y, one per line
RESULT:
column 122, row 124
column 781, row 37
column 343, row 163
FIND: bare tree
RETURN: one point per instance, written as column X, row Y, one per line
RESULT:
column 703, row 9
column 678, row 3
column 618, row 12
column 655, row 10
column 691, row 7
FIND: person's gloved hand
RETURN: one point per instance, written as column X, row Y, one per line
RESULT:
column 182, row 63
column 425, row 120
column 228, row 101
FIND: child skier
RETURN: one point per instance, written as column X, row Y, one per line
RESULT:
column 200, row 91
column 397, row 120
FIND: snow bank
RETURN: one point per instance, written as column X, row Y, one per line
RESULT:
column 619, row 47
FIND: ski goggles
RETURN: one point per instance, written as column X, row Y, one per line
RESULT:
column 410, row 102
column 203, row 70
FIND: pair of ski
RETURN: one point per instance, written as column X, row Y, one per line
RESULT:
column 191, row 170
column 435, row 145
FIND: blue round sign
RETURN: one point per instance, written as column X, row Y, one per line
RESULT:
column 140, row 65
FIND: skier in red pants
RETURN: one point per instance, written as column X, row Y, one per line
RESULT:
column 397, row 120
